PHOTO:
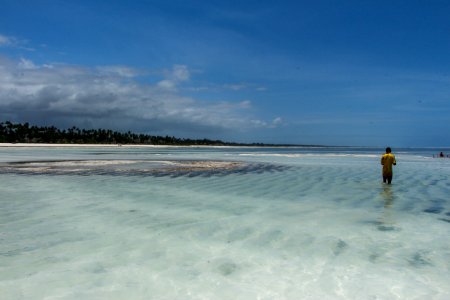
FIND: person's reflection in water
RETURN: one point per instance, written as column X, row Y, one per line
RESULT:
column 386, row 222
column 388, row 196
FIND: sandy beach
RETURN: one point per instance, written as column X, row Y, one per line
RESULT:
column 88, row 145
column 11, row 145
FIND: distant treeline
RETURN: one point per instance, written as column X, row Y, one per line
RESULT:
column 24, row 133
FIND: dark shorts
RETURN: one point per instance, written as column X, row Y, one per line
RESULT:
column 387, row 178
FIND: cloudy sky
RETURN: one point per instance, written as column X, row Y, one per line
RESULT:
column 367, row 73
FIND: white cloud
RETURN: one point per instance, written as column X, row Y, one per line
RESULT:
column 277, row 121
column 244, row 86
column 26, row 64
column 4, row 40
column 245, row 104
column 235, row 87
column 108, row 96
column 120, row 71
column 8, row 41
column 263, row 124
column 167, row 84
column 178, row 74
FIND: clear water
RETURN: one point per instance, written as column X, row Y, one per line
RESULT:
column 319, row 225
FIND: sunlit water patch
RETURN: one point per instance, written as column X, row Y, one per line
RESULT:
column 275, row 225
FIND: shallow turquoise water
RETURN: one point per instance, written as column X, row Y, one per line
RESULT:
column 318, row 226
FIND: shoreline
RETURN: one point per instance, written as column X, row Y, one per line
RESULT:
column 40, row 145
column 43, row 145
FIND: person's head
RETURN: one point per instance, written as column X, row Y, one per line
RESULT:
column 388, row 150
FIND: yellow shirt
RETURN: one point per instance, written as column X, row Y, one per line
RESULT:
column 387, row 160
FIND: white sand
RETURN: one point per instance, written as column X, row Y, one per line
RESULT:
column 81, row 145
column 40, row 145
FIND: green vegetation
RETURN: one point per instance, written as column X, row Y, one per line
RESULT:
column 24, row 133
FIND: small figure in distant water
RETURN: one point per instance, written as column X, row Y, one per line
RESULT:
column 441, row 154
column 387, row 160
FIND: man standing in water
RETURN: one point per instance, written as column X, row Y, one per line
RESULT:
column 387, row 160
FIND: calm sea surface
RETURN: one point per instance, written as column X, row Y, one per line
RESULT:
column 288, row 223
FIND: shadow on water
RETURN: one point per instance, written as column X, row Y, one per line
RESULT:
column 436, row 206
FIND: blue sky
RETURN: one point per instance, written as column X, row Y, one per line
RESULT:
column 371, row 73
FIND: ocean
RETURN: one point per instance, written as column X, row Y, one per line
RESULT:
column 223, row 223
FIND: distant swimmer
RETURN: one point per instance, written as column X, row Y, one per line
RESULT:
column 440, row 155
column 387, row 160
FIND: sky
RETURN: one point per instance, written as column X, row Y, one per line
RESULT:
column 353, row 73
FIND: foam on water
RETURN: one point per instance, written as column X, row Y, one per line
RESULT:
column 301, row 227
